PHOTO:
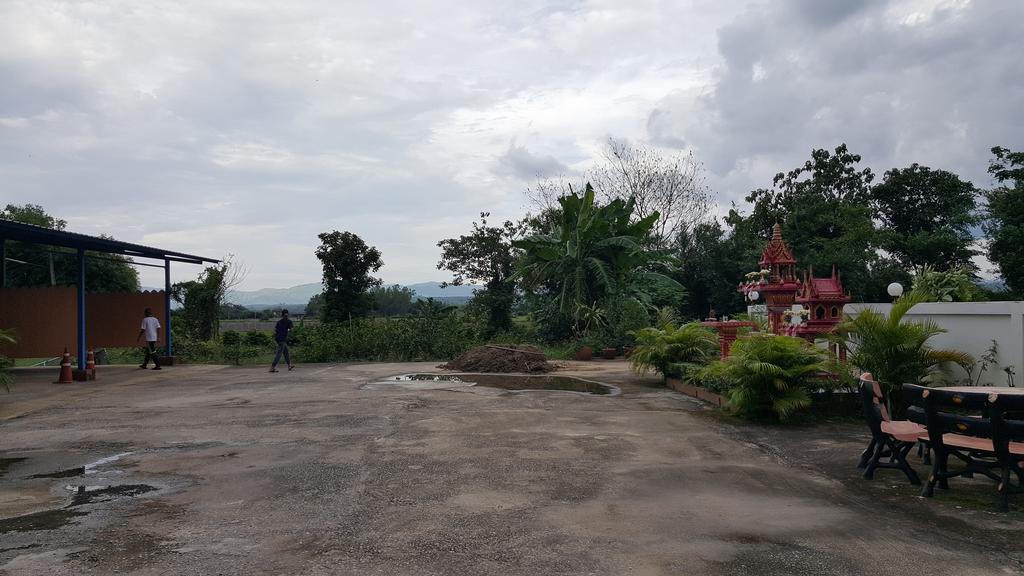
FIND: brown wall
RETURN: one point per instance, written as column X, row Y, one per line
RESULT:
column 44, row 319
column 113, row 320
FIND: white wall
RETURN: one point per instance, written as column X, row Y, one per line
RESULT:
column 971, row 327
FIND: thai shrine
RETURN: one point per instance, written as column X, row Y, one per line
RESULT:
column 821, row 299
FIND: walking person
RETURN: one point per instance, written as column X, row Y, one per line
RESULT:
column 151, row 330
column 281, row 337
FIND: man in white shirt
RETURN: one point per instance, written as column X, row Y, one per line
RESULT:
column 151, row 329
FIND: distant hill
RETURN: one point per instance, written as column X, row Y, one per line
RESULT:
column 268, row 297
column 300, row 295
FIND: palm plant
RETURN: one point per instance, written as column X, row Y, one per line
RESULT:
column 895, row 350
column 593, row 252
column 770, row 374
column 670, row 350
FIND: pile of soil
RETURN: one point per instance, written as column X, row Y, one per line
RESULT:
column 504, row 359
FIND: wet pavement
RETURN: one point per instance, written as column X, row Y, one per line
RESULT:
column 220, row 470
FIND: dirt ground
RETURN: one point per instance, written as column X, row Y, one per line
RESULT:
column 219, row 470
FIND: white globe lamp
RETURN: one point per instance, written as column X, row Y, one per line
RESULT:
column 753, row 295
column 895, row 289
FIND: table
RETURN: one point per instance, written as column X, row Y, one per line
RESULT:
column 982, row 389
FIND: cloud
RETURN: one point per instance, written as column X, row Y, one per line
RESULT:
column 520, row 163
column 900, row 82
column 248, row 128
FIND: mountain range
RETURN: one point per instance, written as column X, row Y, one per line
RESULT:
column 296, row 295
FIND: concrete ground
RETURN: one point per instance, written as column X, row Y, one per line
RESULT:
column 218, row 470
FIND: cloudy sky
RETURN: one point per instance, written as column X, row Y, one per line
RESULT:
column 248, row 127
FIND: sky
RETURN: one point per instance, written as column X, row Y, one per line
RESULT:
column 247, row 128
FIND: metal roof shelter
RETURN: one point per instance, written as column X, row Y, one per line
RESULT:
column 30, row 234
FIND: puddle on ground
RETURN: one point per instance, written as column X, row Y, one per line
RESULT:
column 503, row 381
column 81, row 495
column 70, row 472
column 45, row 520
column 6, row 463
column 94, row 494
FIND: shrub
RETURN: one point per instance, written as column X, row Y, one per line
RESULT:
column 236, row 347
column 895, row 350
column 387, row 339
column 770, row 375
column 672, row 351
column 624, row 317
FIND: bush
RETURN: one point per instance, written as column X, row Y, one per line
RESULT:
column 387, row 339
column 770, row 376
column 624, row 317
column 895, row 350
column 674, row 352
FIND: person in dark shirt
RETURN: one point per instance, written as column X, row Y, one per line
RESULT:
column 281, row 337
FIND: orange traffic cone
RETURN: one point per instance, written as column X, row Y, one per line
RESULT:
column 90, row 365
column 65, row 369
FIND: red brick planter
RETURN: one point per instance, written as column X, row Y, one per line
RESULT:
column 585, row 353
column 609, row 353
column 696, row 392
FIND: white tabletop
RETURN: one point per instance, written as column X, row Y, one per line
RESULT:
column 983, row 389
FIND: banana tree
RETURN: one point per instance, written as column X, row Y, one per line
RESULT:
column 593, row 252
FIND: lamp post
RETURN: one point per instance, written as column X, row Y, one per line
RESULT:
column 895, row 290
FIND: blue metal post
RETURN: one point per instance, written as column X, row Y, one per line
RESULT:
column 167, row 306
column 81, row 309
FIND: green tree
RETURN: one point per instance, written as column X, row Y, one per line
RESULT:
column 824, row 210
column 431, row 308
column 315, row 305
column 485, row 256
column 394, row 300
column 927, row 216
column 201, row 300
column 594, row 253
column 232, row 311
column 712, row 268
column 32, row 265
column 1005, row 217
column 347, row 262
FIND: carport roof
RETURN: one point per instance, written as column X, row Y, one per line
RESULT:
column 10, row 230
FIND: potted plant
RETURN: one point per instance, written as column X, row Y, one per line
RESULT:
column 609, row 353
column 584, row 353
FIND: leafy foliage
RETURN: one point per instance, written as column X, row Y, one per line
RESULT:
column 770, row 375
column 1005, row 223
column 927, row 216
column 593, row 253
column 394, row 300
column 895, row 350
column 347, row 262
column 315, row 306
column 485, row 256
column 952, row 285
column 713, row 264
column 201, row 300
column 436, row 337
column 673, row 351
